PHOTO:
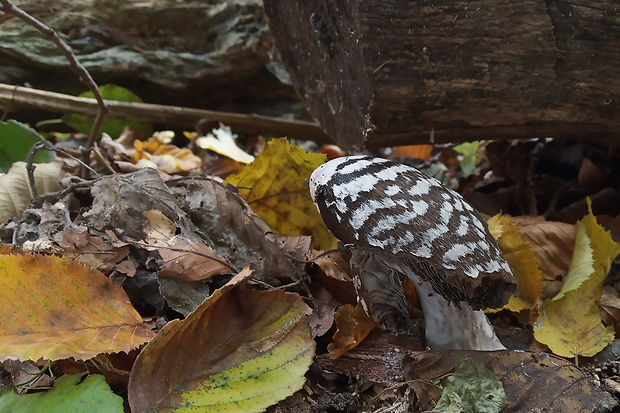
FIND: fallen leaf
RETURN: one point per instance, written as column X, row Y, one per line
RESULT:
column 222, row 141
column 533, row 381
column 570, row 323
column 55, row 308
column 241, row 350
column 15, row 191
column 79, row 245
column 274, row 186
column 71, row 393
column 353, row 326
column 238, row 234
column 521, row 258
column 168, row 158
column 183, row 258
column 472, row 388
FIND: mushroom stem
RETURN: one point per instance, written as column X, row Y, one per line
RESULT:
column 451, row 327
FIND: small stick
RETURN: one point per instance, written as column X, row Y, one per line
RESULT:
column 83, row 74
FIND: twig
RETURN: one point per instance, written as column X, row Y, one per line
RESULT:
column 169, row 115
column 83, row 74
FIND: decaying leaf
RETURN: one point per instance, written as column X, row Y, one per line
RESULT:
column 15, row 192
column 55, row 308
column 472, row 388
column 183, row 258
column 570, row 323
column 71, row 393
column 80, row 246
column 241, row 350
column 353, row 326
column 168, row 158
column 521, row 258
column 242, row 236
column 274, row 186
column 533, row 381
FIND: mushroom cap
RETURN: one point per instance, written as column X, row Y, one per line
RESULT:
column 410, row 219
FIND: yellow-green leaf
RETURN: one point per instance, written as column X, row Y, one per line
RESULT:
column 275, row 187
column 571, row 324
column 54, row 308
column 521, row 258
column 241, row 350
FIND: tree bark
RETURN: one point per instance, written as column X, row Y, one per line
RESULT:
column 391, row 72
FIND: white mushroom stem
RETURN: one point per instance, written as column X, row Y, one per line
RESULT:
column 450, row 327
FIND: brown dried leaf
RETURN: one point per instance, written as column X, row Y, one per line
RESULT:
column 80, row 246
column 353, row 326
column 183, row 258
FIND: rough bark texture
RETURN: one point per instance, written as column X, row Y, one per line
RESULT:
column 389, row 72
column 208, row 54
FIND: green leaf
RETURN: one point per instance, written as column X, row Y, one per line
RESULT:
column 472, row 389
column 70, row 394
column 112, row 127
column 469, row 152
column 16, row 139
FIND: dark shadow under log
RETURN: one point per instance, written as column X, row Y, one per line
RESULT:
column 390, row 72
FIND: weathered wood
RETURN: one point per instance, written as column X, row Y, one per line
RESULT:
column 12, row 97
column 389, row 72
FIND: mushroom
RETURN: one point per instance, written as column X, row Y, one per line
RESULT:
column 400, row 222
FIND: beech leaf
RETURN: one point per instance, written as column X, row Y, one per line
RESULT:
column 274, row 186
column 240, row 350
column 55, row 308
column 570, row 323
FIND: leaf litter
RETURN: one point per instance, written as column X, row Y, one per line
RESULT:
column 176, row 242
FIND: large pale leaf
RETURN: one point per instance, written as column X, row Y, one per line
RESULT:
column 571, row 324
column 70, row 394
column 274, row 186
column 15, row 191
column 241, row 350
column 54, row 308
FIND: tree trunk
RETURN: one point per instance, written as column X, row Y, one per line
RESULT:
column 390, row 72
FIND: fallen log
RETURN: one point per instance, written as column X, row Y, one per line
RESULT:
column 380, row 73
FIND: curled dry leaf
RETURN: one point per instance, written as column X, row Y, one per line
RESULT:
column 183, row 258
column 241, row 350
column 55, row 308
column 353, row 326
column 15, row 191
column 80, row 246
column 238, row 234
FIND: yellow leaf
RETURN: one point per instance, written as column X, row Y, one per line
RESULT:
column 571, row 324
column 242, row 350
column 274, row 186
column 168, row 158
column 54, row 308
column 521, row 258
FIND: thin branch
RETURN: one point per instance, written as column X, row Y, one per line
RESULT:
column 168, row 115
column 83, row 74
